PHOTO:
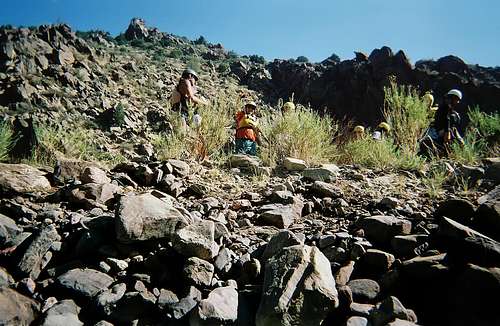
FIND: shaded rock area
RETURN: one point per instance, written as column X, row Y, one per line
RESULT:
column 348, row 254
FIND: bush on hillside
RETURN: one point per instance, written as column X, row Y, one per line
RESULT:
column 301, row 133
column 257, row 59
column 407, row 114
column 302, row 59
column 6, row 141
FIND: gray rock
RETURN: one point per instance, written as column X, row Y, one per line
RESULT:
column 324, row 189
column 364, row 290
column 343, row 274
column 361, row 309
column 223, row 261
column 106, row 300
column 327, row 173
column 22, row 178
column 487, row 218
column 299, row 286
column 198, row 272
column 133, row 306
column 404, row 245
column 381, row 229
column 166, row 299
column 63, row 313
column 180, row 168
column 377, row 261
column 9, row 231
column 244, row 161
column 196, row 240
column 389, row 309
column 293, row 164
column 401, row 322
column 84, row 282
column 460, row 210
column 16, row 309
column 92, row 174
column 92, row 195
column 280, row 240
column 5, row 278
column 220, row 308
column 145, row 217
column 281, row 216
column 31, row 261
column 357, row 321
column 493, row 172
column 389, row 202
column 425, row 268
column 180, row 309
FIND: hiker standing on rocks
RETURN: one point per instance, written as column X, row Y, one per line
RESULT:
column 444, row 130
column 184, row 97
column 247, row 131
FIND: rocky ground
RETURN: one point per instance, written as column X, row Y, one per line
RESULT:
column 150, row 242
column 178, row 243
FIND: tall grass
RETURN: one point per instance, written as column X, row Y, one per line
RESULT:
column 206, row 141
column 6, row 140
column 482, row 138
column 300, row 133
column 407, row 114
column 75, row 143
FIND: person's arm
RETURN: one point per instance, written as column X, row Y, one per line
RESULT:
column 191, row 94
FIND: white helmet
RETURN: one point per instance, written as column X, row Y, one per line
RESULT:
column 455, row 92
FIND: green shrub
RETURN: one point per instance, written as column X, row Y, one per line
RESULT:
column 201, row 41
column 257, row 59
column 223, row 67
column 209, row 140
column 119, row 115
column 407, row 114
column 176, row 54
column 194, row 63
column 300, row 133
column 75, row 143
column 370, row 153
column 232, row 55
column 302, row 59
column 435, row 179
column 6, row 140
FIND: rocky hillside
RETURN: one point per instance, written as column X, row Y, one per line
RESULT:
column 173, row 242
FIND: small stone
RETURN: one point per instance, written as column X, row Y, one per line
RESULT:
column 364, row 290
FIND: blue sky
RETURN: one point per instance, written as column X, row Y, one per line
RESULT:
column 424, row 29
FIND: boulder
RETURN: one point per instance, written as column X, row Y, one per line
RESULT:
column 298, row 288
column 63, row 313
column 107, row 299
column 180, row 168
column 388, row 310
column 145, row 217
column 293, row 164
column 31, row 260
column 326, row 173
column 133, row 306
column 220, row 308
column 92, row 195
column 280, row 240
column 487, row 218
column 93, row 174
column 343, row 274
column 22, row 178
column 377, row 262
column 198, row 272
column 183, row 307
column 16, row 309
column 136, row 30
column 9, row 231
column 196, row 240
column 324, row 189
column 357, row 321
column 86, row 283
column 404, row 245
column 381, row 229
column 364, row 290
column 280, row 215
column 244, row 161
column 460, row 210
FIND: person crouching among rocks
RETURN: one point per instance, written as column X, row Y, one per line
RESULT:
column 247, row 131
column 184, row 96
column 382, row 131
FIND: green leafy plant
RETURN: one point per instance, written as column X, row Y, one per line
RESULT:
column 6, row 140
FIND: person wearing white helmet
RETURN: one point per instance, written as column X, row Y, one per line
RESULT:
column 444, row 129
